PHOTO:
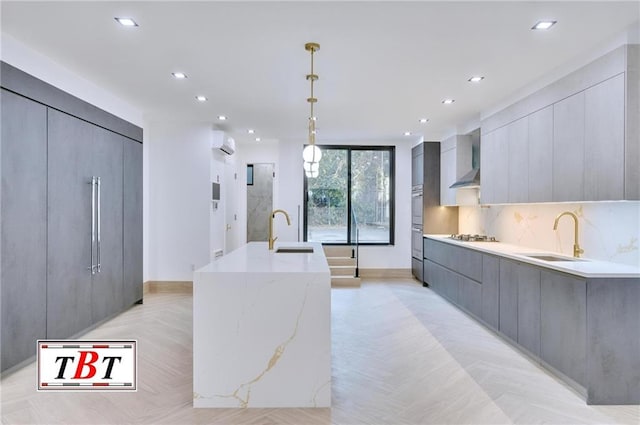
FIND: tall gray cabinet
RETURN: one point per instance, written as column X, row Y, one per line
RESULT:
column 24, row 226
column 71, row 215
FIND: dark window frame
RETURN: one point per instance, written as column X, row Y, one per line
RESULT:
column 392, row 191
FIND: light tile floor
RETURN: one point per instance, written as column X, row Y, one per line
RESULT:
column 401, row 355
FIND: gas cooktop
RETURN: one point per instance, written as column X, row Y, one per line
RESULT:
column 473, row 238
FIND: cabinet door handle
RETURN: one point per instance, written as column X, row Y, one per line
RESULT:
column 98, row 227
column 93, row 221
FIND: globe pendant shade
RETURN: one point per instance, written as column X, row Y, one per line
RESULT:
column 312, row 153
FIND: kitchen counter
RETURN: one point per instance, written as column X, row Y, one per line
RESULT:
column 255, row 257
column 262, row 329
column 584, row 268
column 579, row 319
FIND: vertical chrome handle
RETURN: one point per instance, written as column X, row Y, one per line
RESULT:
column 93, row 221
column 98, row 227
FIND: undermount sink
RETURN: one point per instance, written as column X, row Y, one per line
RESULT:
column 295, row 250
column 551, row 257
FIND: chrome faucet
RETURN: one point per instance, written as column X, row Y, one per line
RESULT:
column 576, row 247
column 271, row 217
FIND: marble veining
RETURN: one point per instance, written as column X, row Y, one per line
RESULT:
column 277, row 353
column 262, row 329
column 609, row 231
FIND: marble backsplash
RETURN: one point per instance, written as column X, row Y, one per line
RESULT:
column 609, row 231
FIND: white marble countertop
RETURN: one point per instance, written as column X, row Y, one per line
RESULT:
column 255, row 257
column 586, row 268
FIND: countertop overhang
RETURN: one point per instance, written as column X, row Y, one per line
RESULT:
column 587, row 268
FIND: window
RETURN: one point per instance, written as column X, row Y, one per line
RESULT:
column 352, row 197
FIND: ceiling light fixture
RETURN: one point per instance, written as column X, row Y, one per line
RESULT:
column 258, row 139
column 126, row 22
column 222, row 117
column 476, row 79
column 543, row 25
column 179, row 75
column 250, row 131
column 312, row 154
column 201, row 98
column 448, row 101
column 423, row 120
column 407, row 133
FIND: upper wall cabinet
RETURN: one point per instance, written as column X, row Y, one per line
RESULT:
column 604, row 140
column 540, row 143
column 568, row 149
column 494, row 166
column 417, row 165
column 455, row 161
column 578, row 148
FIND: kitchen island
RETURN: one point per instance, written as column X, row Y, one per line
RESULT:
column 262, row 328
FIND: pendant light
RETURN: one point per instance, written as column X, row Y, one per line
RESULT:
column 311, row 153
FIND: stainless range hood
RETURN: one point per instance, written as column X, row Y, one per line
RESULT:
column 470, row 180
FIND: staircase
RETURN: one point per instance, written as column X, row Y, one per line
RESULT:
column 343, row 265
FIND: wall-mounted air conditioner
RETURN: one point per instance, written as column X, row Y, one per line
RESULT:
column 223, row 142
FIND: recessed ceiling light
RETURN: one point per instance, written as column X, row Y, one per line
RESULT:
column 258, row 139
column 407, row 133
column 476, row 79
column 543, row 25
column 448, row 101
column 127, row 22
column 250, row 131
column 201, row 98
column 222, row 117
column 423, row 120
column 179, row 75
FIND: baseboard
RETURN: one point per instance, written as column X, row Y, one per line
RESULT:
column 385, row 273
column 174, row 286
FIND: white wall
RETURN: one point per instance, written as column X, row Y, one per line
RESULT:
column 40, row 66
column 179, row 196
column 609, row 231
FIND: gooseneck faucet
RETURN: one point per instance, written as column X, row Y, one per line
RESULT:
column 271, row 217
column 576, row 247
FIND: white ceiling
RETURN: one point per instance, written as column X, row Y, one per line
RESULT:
column 382, row 65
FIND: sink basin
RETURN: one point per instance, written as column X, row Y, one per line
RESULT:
column 551, row 257
column 295, row 250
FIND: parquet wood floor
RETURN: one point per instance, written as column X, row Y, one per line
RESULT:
column 401, row 355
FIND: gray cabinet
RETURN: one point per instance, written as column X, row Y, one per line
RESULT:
column 518, row 161
column 24, row 226
column 563, row 318
column 585, row 329
column 470, row 296
column 540, row 145
column 132, row 222
column 613, row 341
column 107, row 284
column 529, row 307
column 447, row 176
column 50, row 211
column 508, row 324
column 455, row 161
column 490, row 290
column 417, row 163
column 604, row 140
column 568, row 149
column 494, row 159
column 76, row 298
column 442, row 280
column 520, row 304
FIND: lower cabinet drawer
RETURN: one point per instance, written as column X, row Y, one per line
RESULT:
column 471, row 296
